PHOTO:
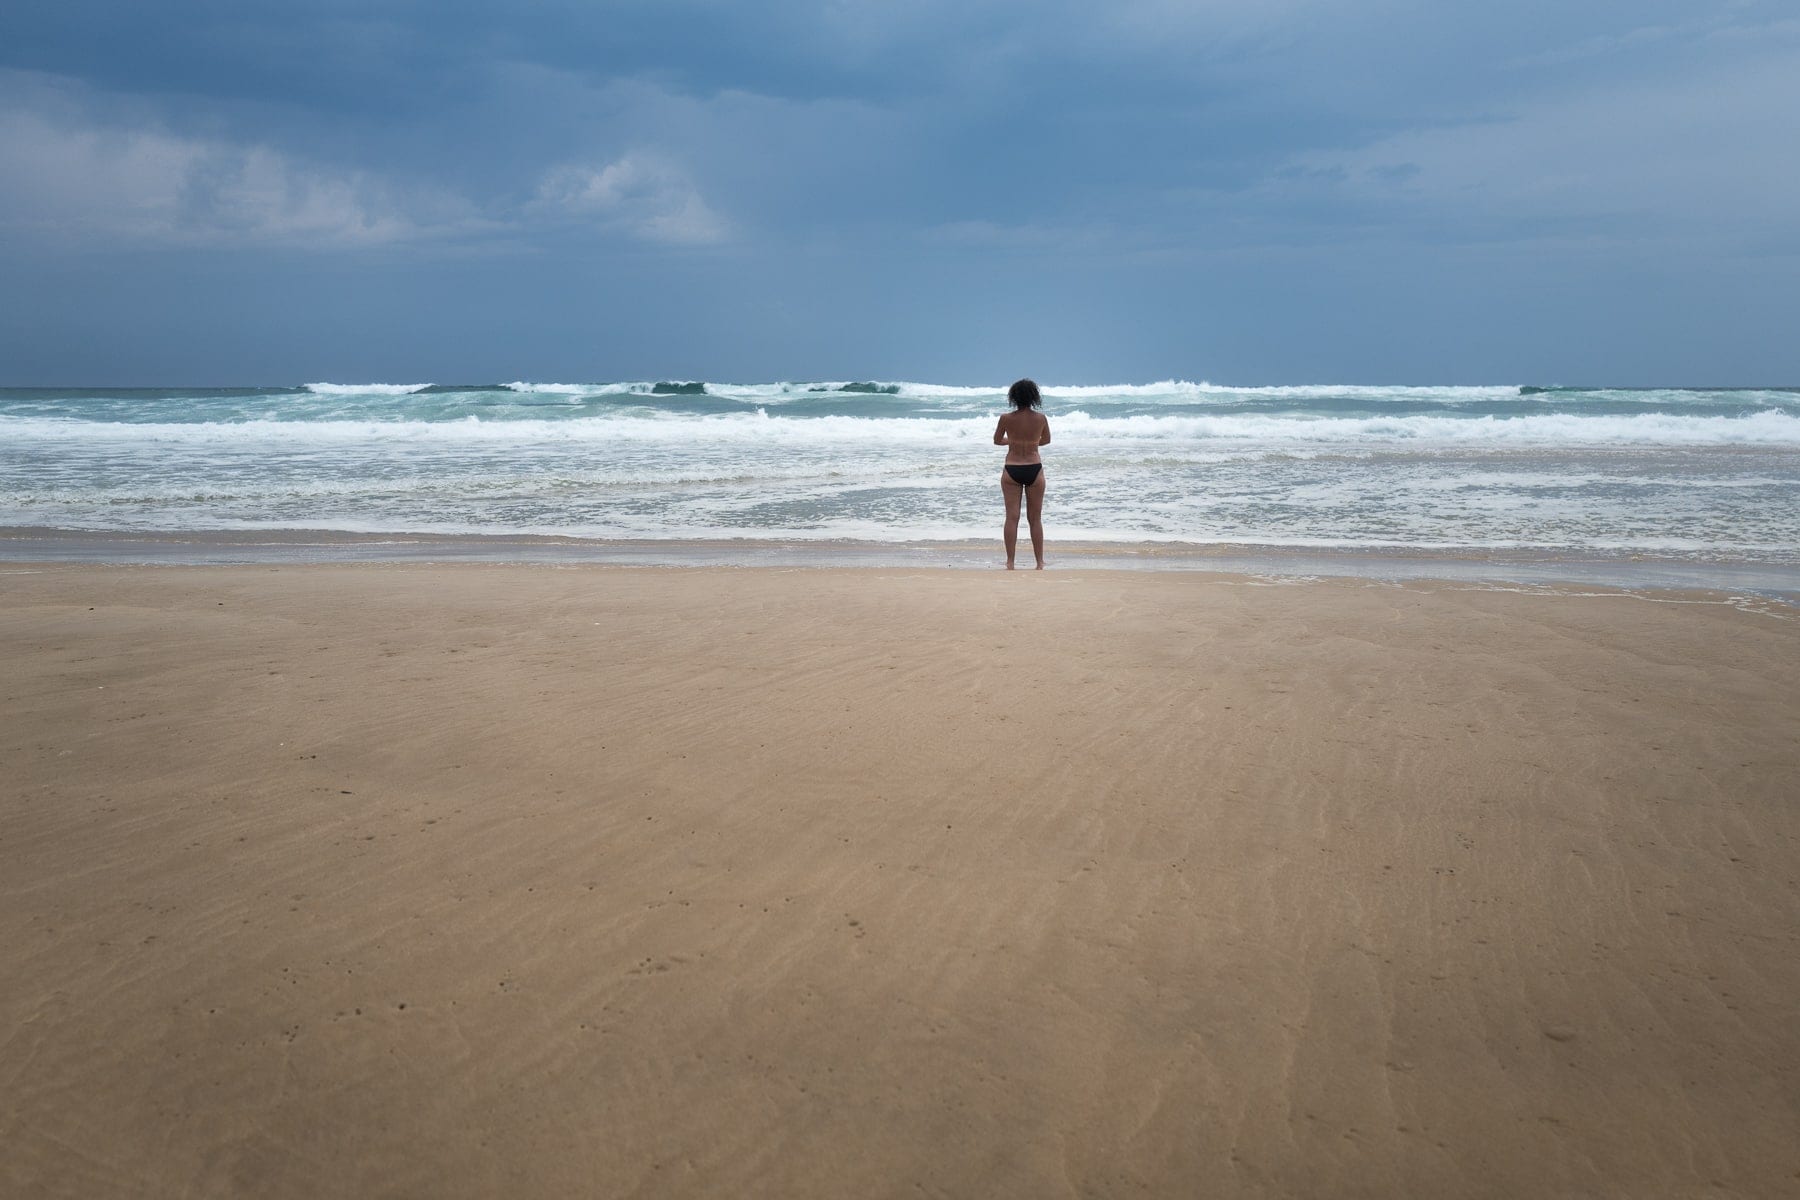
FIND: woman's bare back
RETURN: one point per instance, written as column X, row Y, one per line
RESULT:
column 1022, row 432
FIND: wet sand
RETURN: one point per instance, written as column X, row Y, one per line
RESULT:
column 484, row 880
column 1774, row 581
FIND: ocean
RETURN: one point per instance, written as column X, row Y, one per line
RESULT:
column 1692, row 475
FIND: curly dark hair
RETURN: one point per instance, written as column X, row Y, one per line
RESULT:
column 1024, row 394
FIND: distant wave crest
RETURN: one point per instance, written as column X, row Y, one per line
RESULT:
column 365, row 389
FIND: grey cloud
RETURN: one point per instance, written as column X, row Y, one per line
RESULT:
column 1710, row 153
column 639, row 194
column 75, row 182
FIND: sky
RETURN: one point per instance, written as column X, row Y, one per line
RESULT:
column 954, row 191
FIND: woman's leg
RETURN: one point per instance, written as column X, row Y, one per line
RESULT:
column 1034, row 512
column 1010, row 492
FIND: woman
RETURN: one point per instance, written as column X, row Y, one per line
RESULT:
column 1022, row 431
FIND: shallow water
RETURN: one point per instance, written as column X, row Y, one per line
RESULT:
column 1684, row 475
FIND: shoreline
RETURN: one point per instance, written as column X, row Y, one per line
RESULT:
column 1629, row 573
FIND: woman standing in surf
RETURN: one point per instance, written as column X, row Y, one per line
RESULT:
column 1022, row 431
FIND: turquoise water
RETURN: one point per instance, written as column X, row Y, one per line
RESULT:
column 1685, row 474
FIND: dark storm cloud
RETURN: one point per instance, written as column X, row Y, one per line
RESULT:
column 1285, row 188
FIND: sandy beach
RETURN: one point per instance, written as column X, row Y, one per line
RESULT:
column 384, row 880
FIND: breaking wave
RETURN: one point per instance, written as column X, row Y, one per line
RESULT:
column 1764, row 428
column 365, row 389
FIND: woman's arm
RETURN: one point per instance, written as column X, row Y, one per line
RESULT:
column 1044, row 437
column 1000, row 431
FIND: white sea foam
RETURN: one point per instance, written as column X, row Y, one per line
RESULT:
column 746, row 428
column 1178, row 389
column 1172, row 393
column 1182, row 389
column 1078, row 429
column 364, row 389
column 559, row 389
column 1551, row 429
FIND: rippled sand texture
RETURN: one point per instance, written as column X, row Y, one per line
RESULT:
column 485, row 881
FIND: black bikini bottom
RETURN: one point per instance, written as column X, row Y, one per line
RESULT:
column 1024, row 474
